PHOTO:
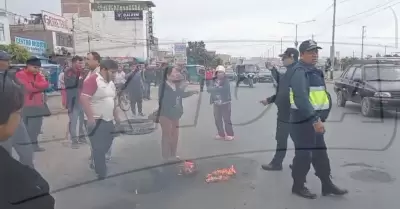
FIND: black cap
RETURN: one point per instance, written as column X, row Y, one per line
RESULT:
column 290, row 52
column 308, row 45
column 4, row 56
column 34, row 61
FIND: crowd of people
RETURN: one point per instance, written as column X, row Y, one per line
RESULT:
column 90, row 97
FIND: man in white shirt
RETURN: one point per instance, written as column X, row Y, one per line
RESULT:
column 98, row 101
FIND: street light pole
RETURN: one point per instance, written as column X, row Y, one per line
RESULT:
column 333, row 40
column 296, row 27
column 396, row 28
column 295, row 42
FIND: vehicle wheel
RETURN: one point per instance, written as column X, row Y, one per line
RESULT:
column 136, row 127
column 123, row 102
column 340, row 99
column 366, row 109
column 251, row 83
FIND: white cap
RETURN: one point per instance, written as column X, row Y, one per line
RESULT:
column 220, row 68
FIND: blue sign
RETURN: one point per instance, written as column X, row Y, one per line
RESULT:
column 33, row 46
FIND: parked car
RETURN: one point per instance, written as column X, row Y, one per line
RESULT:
column 265, row 76
column 375, row 85
column 50, row 71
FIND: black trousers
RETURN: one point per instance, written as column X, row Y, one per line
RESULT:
column 33, row 127
column 310, row 149
column 281, row 136
column 136, row 99
column 101, row 138
column 202, row 82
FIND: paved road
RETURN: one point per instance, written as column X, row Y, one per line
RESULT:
column 363, row 158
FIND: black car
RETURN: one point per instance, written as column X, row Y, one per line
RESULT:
column 375, row 86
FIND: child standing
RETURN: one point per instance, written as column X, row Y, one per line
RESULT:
column 221, row 100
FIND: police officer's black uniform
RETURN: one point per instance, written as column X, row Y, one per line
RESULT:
column 281, row 100
column 307, row 86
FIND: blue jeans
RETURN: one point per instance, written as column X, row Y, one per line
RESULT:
column 76, row 119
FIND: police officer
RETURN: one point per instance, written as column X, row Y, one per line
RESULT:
column 281, row 100
column 310, row 107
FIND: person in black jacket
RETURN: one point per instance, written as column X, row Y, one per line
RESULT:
column 20, row 186
column 20, row 141
column 73, row 81
column 281, row 99
column 170, row 95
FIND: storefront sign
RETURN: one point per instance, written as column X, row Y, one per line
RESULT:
column 180, row 49
column 119, row 6
column 33, row 46
column 128, row 15
column 54, row 22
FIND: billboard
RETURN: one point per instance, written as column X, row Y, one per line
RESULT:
column 35, row 47
column 128, row 15
column 53, row 22
column 180, row 49
column 119, row 6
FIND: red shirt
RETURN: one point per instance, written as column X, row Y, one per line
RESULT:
column 34, row 86
column 209, row 75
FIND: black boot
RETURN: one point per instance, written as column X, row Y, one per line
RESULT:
column 328, row 188
column 272, row 166
column 303, row 191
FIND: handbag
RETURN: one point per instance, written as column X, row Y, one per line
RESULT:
column 36, row 111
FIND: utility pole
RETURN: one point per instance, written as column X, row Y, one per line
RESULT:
column 281, row 45
column 362, row 41
column 353, row 54
column 385, row 49
column 312, row 37
column 88, row 40
column 273, row 51
column 295, row 42
column 73, row 36
column 333, row 40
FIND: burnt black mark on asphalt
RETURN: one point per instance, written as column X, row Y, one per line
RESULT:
column 369, row 175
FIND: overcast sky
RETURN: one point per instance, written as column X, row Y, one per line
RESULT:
column 177, row 20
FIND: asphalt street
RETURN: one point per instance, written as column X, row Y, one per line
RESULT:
column 363, row 151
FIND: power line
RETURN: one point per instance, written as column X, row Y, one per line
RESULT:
column 328, row 8
column 368, row 15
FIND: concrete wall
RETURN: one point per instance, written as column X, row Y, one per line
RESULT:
column 107, row 36
column 5, row 39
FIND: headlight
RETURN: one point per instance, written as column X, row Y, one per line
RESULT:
column 382, row 94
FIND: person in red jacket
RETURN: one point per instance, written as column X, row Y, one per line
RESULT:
column 34, row 109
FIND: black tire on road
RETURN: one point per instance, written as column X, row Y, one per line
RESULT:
column 123, row 102
column 136, row 127
column 251, row 83
column 340, row 99
column 366, row 109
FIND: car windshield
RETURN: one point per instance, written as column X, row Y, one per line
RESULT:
column 382, row 73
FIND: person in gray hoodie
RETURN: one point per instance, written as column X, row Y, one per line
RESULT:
column 220, row 97
column 20, row 141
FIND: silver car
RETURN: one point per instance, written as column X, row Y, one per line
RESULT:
column 265, row 76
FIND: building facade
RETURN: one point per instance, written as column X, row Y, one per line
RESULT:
column 4, row 29
column 44, row 34
column 112, row 28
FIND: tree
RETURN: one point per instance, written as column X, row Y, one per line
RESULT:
column 378, row 55
column 19, row 54
column 197, row 53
